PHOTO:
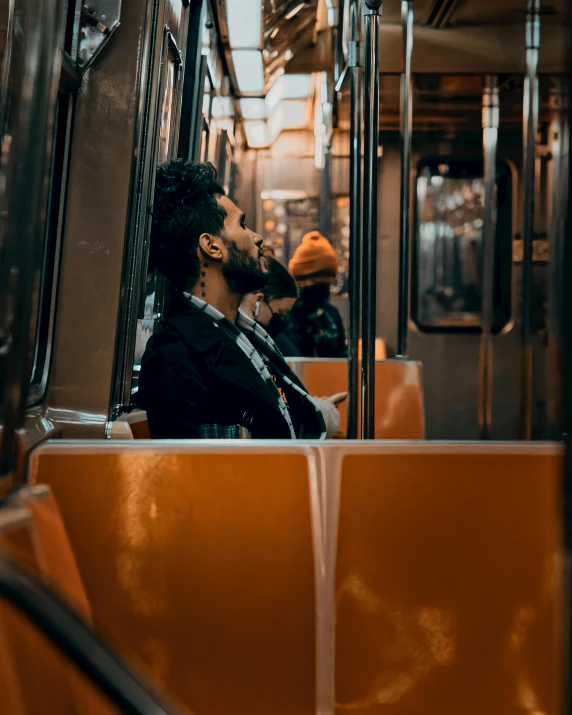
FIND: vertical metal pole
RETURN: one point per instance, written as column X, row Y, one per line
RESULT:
column 333, row 7
column 325, row 216
column 369, row 254
column 491, row 115
column 355, row 222
column 566, row 336
column 530, row 129
column 405, row 224
column 559, row 148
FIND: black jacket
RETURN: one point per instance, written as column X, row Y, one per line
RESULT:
column 315, row 326
column 194, row 375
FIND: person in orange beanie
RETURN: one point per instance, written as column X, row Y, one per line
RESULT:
column 314, row 325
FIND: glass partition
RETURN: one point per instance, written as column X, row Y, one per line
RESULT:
column 447, row 255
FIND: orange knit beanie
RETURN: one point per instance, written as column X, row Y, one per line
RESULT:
column 314, row 255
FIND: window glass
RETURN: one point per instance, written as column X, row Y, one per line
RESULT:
column 167, row 112
column 206, row 119
column 155, row 286
column 447, row 257
column 286, row 218
column 44, row 288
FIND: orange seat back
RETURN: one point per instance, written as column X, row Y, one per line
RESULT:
column 399, row 410
column 199, row 561
column 140, row 429
column 132, row 425
column 36, row 677
column 380, row 349
column 447, row 582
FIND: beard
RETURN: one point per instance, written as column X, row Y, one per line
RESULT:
column 243, row 273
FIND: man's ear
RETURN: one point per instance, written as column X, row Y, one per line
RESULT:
column 211, row 246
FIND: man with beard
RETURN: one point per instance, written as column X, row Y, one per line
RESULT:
column 210, row 371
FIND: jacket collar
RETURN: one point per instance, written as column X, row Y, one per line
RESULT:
column 219, row 351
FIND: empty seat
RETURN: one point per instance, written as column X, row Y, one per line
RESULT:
column 399, row 410
column 199, row 559
column 380, row 349
column 437, row 570
column 447, row 582
column 36, row 679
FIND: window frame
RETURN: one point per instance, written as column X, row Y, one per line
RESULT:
column 169, row 50
column 50, row 261
column 503, row 251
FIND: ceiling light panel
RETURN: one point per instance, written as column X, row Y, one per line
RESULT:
column 252, row 108
column 244, row 18
column 291, row 114
column 256, row 134
column 249, row 71
column 288, row 86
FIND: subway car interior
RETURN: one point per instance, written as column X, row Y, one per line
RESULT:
column 419, row 562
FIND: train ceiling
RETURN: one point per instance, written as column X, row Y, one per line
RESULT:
column 457, row 36
column 288, row 28
column 453, row 102
column 456, row 43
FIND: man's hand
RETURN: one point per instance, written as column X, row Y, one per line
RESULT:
column 336, row 399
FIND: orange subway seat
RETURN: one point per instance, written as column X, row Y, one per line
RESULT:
column 200, row 563
column 399, row 408
column 447, row 586
column 39, row 680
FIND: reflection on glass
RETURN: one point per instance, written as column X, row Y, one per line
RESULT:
column 448, row 253
column 167, row 112
column 287, row 218
column 450, row 237
column 155, row 288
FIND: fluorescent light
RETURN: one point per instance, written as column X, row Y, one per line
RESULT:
column 295, row 11
column 274, row 32
column 292, row 114
column 288, row 86
column 216, row 107
column 256, row 135
column 222, row 107
column 253, row 108
column 249, row 71
column 244, row 19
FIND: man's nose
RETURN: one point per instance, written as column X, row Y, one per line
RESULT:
column 258, row 240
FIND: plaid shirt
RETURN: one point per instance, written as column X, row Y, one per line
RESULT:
column 262, row 352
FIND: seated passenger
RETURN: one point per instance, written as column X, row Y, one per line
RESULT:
column 210, row 371
column 270, row 305
column 314, row 325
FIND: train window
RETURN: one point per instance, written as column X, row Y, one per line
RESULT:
column 166, row 113
column 447, row 250
column 44, row 291
column 166, row 149
column 206, row 118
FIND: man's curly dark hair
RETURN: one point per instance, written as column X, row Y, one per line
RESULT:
column 185, row 207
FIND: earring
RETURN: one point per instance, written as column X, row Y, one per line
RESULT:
column 257, row 309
